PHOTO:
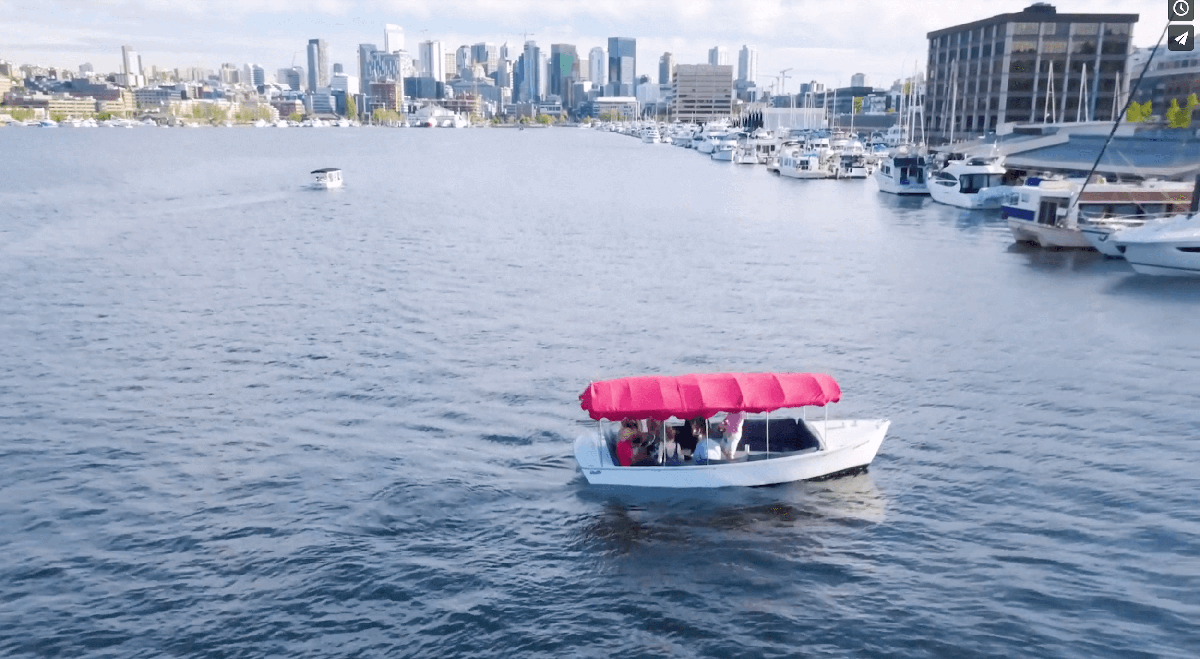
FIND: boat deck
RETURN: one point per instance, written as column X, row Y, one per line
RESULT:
column 787, row 437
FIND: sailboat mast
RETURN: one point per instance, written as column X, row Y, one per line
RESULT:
column 953, row 99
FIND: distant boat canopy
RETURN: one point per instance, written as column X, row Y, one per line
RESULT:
column 705, row 394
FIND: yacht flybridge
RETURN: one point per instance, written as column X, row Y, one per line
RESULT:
column 766, row 436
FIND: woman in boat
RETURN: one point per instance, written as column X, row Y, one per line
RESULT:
column 672, row 453
column 731, row 428
column 625, row 439
column 706, row 449
column 646, row 446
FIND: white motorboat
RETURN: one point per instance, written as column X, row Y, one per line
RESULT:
column 745, row 154
column 724, row 149
column 766, row 448
column 650, row 135
column 1060, row 213
column 329, row 177
column 975, row 183
column 851, row 163
column 1165, row 248
column 803, row 164
column 902, row 172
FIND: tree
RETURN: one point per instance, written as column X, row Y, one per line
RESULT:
column 351, row 107
column 545, row 119
column 858, row 100
column 1138, row 113
column 1178, row 117
column 295, row 116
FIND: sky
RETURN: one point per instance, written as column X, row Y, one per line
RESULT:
column 822, row 40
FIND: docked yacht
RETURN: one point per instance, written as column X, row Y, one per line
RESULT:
column 803, row 164
column 1165, row 248
column 650, row 135
column 902, row 172
column 745, row 154
column 973, row 183
column 1065, row 213
column 725, row 148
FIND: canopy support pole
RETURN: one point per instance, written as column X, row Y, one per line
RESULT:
column 826, row 425
column 768, row 433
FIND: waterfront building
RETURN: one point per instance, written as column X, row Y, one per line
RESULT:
column 155, row 97
column 702, row 92
column 564, row 68
column 1024, row 67
column 433, row 64
column 718, row 56
column 387, row 95
column 1173, row 75
column 666, row 67
column 620, row 108
column 318, row 64
column 622, row 66
column 393, row 38
column 597, row 69
column 46, row 106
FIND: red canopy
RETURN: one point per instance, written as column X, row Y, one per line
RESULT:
column 705, row 394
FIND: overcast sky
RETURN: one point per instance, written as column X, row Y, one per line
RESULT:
column 823, row 40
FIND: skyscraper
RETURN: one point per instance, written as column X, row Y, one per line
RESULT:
column 131, row 62
column 718, row 55
column 596, row 66
column 433, row 64
column 858, row 80
column 486, row 54
column 622, row 65
column 666, row 66
column 463, row 58
column 318, row 65
column 564, row 68
column 393, row 38
column 530, row 70
column 364, row 63
column 748, row 64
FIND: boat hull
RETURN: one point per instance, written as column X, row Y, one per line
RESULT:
column 1099, row 238
column 892, row 186
column 847, row 447
column 1164, row 259
column 1046, row 235
column 986, row 199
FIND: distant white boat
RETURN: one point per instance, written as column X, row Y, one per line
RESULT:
column 329, row 177
column 902, row 172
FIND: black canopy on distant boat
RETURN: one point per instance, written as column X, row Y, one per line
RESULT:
column 326, row 169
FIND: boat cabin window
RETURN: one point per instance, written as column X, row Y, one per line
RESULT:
column 972, row 183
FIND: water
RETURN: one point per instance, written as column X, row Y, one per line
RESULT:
column 244, row 419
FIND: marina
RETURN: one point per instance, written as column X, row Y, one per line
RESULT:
column 236, row 413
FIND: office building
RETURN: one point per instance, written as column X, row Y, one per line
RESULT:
column 666, row 66
column 528, row 73
column 486, row 54
column 564, row 69
column 462, row 60
column 622, row 66
column 433, row 64
column 365, row 51
column 702, row 92
column 718, row 56
column 858, row 80
column 1174, row 75
column 1024, row 67
column 748, row 64
column 597, row 66
column 318, row 65
column 393, row 38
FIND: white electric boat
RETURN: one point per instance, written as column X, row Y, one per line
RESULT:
column 767, row 447
column 329, row 177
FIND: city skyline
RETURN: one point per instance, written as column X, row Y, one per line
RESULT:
column 816, row 41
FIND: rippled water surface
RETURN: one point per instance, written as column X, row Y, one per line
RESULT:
column 239, row 418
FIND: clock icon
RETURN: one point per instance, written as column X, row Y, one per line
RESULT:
column 1180, row 10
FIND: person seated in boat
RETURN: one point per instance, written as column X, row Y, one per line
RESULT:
column 706, row 448
column 731, row 429
column 673, row 454
column 625, row 437
column 646, row 445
